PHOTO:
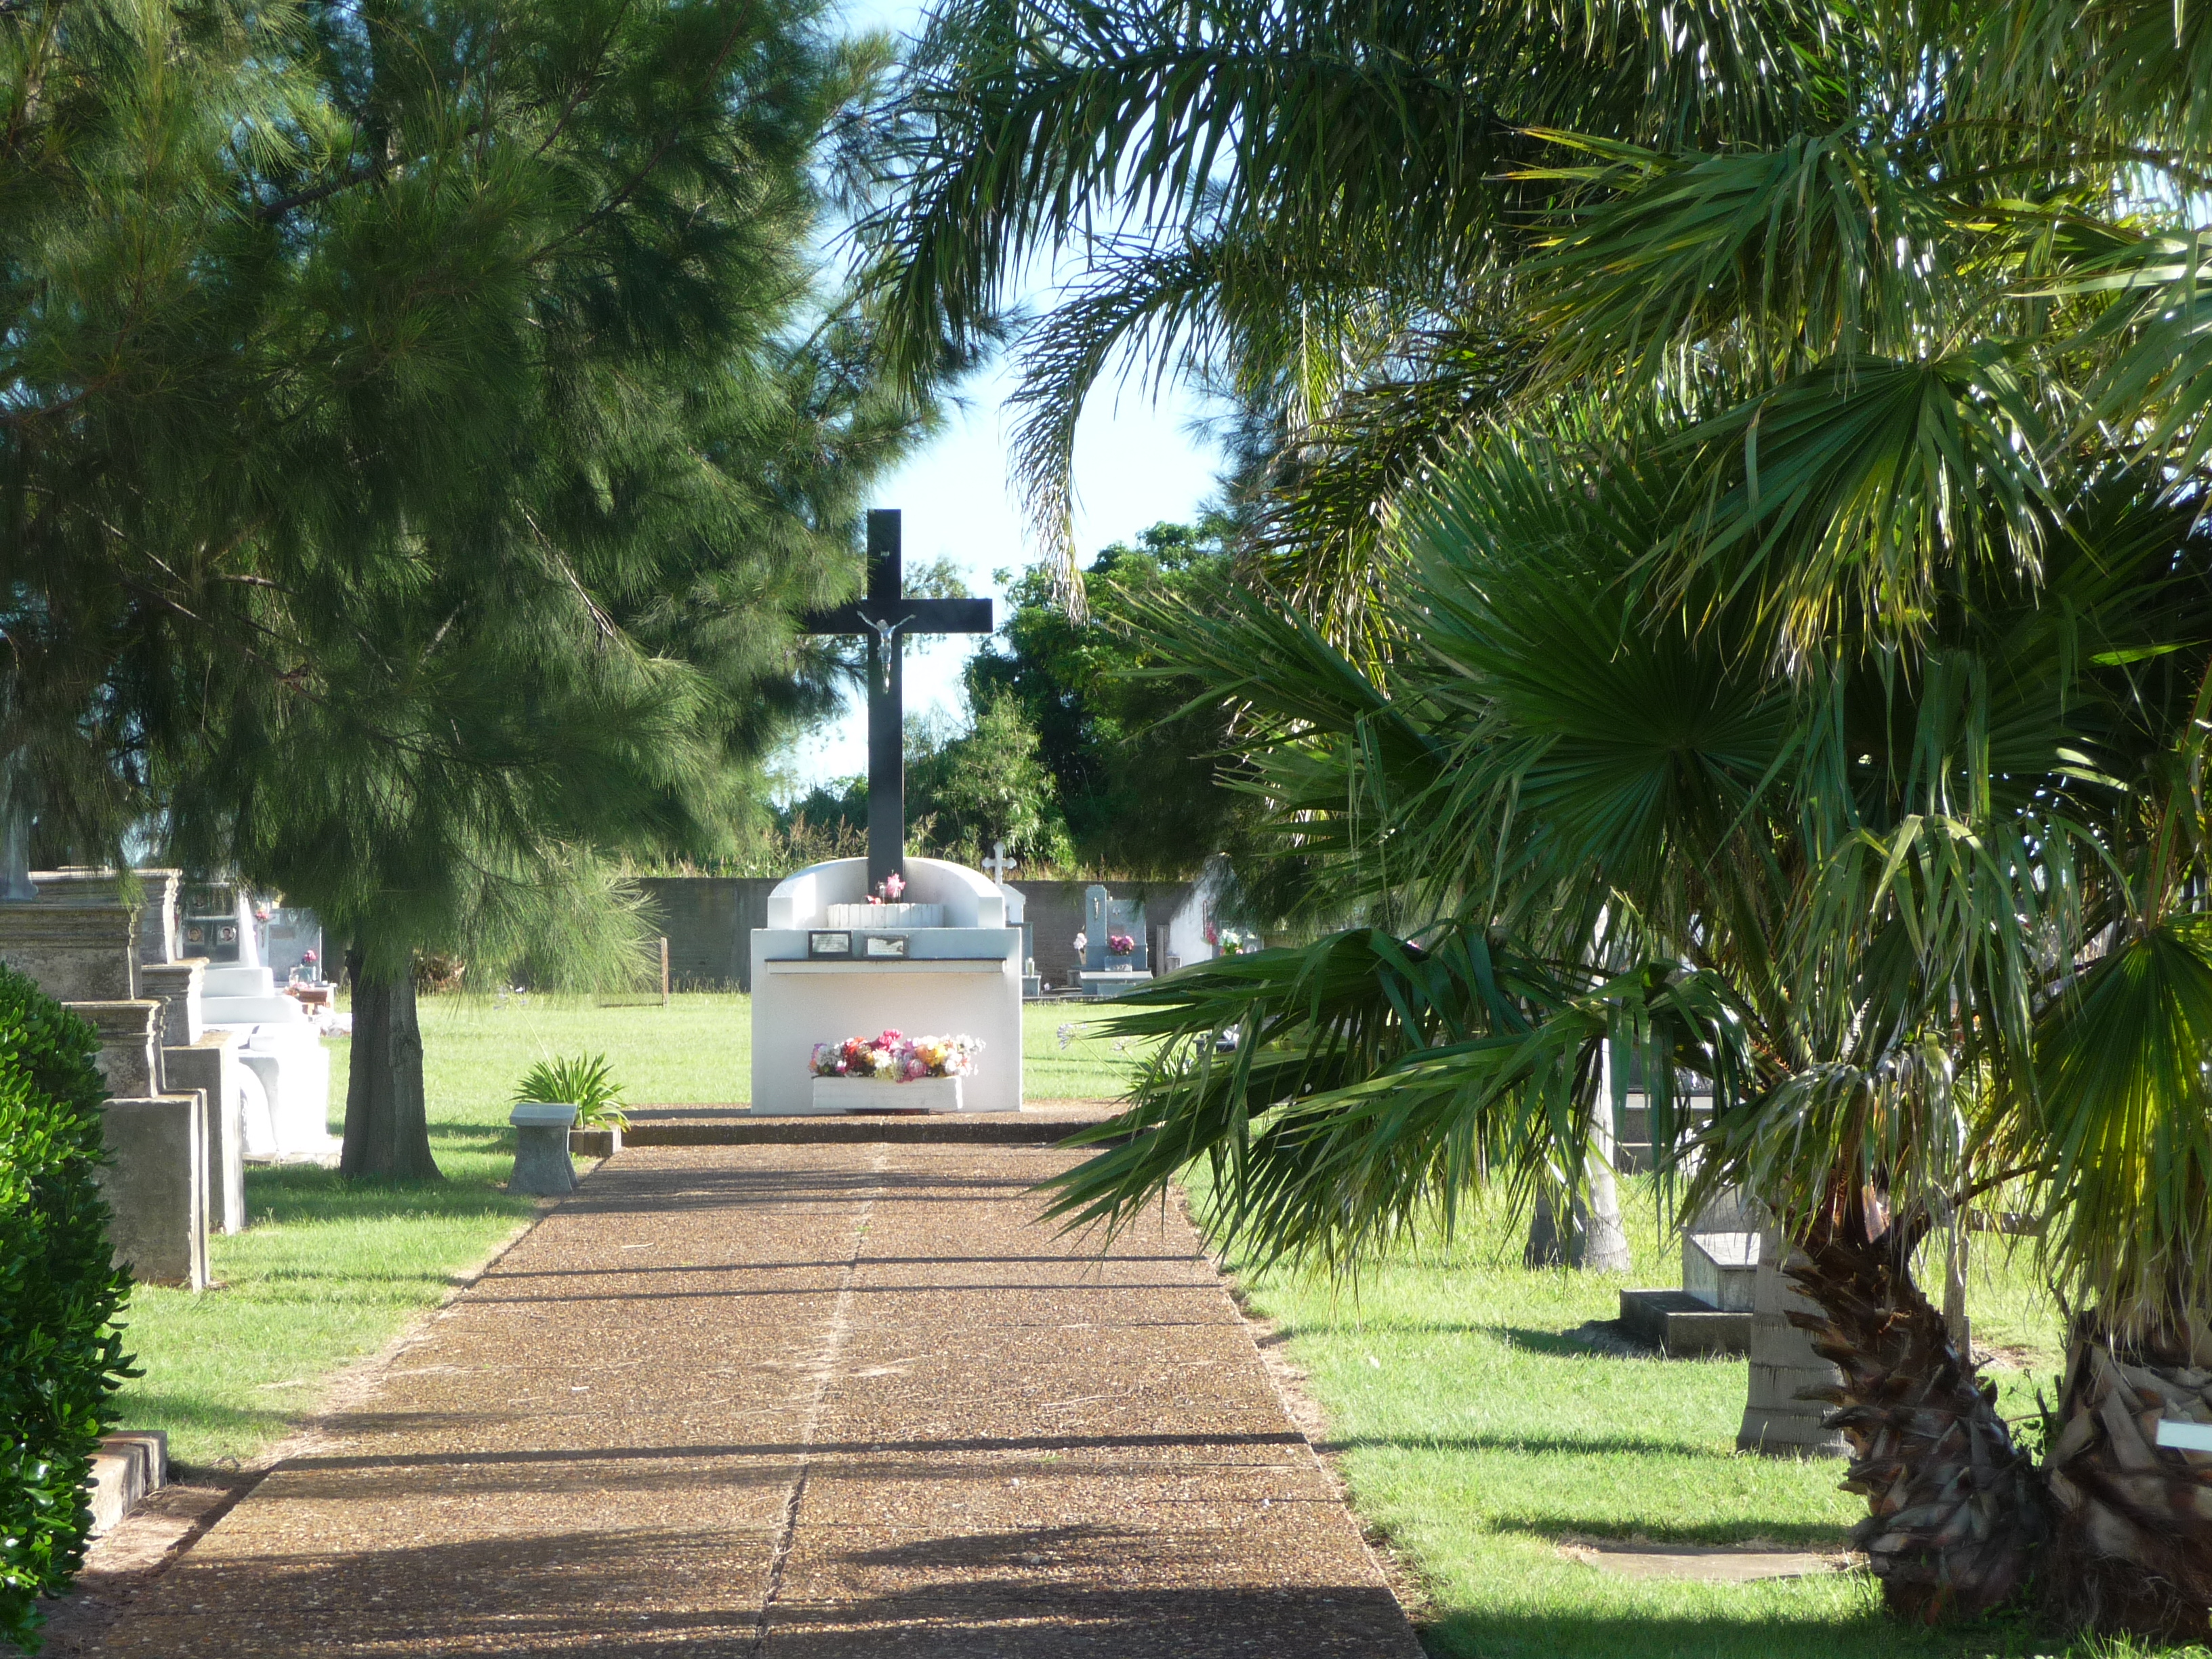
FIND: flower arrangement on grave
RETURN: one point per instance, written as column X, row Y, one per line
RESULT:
column 1121, row 945
column 894, row 1057
column 887, row 890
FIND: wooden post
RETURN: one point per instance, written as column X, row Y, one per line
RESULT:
column 663, row 970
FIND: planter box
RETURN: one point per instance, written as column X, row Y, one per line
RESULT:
column 869, row 1094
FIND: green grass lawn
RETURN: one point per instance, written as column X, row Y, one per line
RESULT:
column 1476, row 1433
column 331, row 1270
column 1478, row 1437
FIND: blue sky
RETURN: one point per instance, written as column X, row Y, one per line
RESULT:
column 1136, row 463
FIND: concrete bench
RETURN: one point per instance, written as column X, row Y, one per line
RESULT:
column 541, row 1148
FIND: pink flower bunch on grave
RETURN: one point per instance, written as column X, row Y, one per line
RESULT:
column 888, row 889
column 893, row 1057
column 1121, row 945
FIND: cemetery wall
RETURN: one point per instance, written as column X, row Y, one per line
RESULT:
column 709, row 921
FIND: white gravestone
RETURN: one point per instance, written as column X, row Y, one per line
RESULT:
column 944, row 963
column 284, row 1053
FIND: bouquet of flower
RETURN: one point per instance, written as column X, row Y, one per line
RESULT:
column 895, row 1057
column 1121, row 945
column 887, row 890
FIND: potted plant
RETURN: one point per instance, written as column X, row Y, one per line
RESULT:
column 586, row 1082
column 891, row 1071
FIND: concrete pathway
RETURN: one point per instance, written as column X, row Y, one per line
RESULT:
column 801, row 1400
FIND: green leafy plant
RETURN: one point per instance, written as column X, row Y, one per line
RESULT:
column 586, row 1082
column 61, row 1355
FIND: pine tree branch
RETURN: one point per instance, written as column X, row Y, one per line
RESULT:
column 18, row 416
column 300, row 198
column 660, row 152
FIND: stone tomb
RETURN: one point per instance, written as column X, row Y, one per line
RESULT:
column 79, row 939
column 1104, row 974
column 830, row 966
column 287, row 1117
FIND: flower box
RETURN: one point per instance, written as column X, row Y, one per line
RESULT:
column 872, row 1094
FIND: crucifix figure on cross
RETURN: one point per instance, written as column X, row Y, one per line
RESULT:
column 885, row 618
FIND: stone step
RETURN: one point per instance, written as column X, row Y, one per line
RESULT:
column 275, row 1009
column 1721, row 1269
column 129, row 1464
column 1047, row 1125
column 229, row 978
column 1680, row 1324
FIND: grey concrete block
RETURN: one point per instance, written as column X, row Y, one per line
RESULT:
column 541, row 1149
column 212, row 1067
column 1782, row 1367
column 128, row 1465
column 130, row 1057
column 157, row 1187
column 1681, row 1325
column 177, row 986
column 157, row 915
column 595, row 1143
column 76, row 952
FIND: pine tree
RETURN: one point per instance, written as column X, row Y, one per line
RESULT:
column 416, row 425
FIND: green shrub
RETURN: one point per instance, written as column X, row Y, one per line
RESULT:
column 585, row 1083
column 61, row 1358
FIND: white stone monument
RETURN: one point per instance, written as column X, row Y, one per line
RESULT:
column 283, row 1051
column 830, row 965
column 936, row 958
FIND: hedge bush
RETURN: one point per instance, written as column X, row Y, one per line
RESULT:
column 61, row 1357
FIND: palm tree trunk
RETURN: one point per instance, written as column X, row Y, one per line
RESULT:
column 1592, row 1238
column 2133, row 1552
column 1956, row 1513
column 387, row 1132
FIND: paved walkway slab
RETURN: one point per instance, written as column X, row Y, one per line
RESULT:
column 801, row 1400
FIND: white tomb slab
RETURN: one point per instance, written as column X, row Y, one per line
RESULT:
column 283, row 1051
column 816, row 979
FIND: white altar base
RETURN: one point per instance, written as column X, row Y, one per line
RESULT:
column 962, row 978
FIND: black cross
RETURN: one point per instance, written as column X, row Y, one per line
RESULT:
column 884, row 618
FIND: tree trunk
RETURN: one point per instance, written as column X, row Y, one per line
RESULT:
column 1957, row 1514
column 1594, row 1239
column 387, row 1133
column 2133, row 1552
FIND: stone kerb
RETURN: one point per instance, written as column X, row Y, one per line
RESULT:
column 211, row 1065
column 130, row 1056
column 1776, row 1420
column 177, row 986
column 156, row 1186
column 157, row 915
column 78, row 950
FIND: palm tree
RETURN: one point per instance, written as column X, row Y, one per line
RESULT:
column 1798, row 674
column 1865, row 905
column 1322, row 202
